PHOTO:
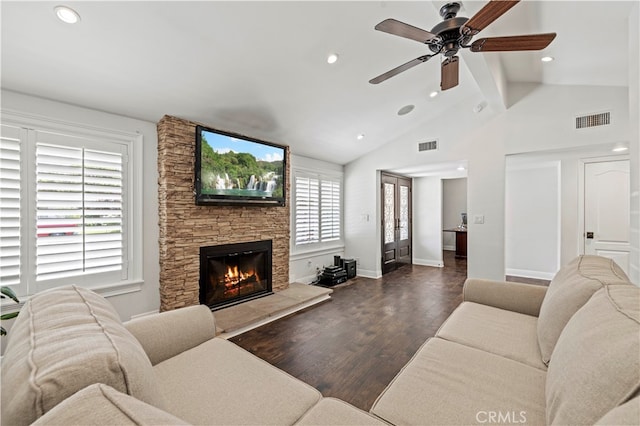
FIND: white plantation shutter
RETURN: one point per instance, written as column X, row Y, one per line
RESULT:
column 103, row 211
column 330, row 210
column 10, row 201
column 317, row 208
column 79, row 211
column 307, row 208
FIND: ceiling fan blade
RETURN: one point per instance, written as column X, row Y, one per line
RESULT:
column 511, row 43
column 485, row 16
column 449, row 73
column 395, row 27
column 398, row 70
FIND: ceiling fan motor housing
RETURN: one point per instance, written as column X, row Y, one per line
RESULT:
column 448, row 31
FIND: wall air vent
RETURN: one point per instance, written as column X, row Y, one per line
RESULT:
column 593, row 120
column 428, row 146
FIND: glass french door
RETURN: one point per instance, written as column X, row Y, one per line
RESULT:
column 396, row 221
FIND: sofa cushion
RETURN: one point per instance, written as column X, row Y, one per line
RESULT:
column 494, row 330
column 569, row 290
column 103, row 405
column 331, row 411
column 596, row 364
column 64, row 340
column 449, row 383
column 625, row 414
column 220, row 383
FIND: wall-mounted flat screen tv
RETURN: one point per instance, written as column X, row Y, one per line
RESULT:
column 236, row 170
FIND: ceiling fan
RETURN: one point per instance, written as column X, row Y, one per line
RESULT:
column 455, row 33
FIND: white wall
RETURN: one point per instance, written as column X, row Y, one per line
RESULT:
column 454, row 202
column 544, row 119
column 148, row 298
column 571, row 236
column 634, row 113
column 303, row 265
column 427, row 221
column 532, row 220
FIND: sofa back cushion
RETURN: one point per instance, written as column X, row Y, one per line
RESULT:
column 64, row 340
column 595, row 366
column 569, row 290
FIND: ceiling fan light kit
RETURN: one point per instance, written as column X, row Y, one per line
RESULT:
column 455, row 33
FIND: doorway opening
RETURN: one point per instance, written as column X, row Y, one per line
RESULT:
column 454, row 216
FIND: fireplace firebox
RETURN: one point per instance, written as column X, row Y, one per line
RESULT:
column 234, row 273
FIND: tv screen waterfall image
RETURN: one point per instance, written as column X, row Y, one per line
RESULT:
column 233, row 169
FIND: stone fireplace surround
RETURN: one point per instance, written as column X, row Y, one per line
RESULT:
column 185, row 227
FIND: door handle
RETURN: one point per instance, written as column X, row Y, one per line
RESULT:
column 589, row 235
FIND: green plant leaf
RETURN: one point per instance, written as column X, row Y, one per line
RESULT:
column 9, row 315
column 9, row 293
column 3, row 332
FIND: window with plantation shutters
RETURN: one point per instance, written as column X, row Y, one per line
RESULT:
column 317, row 208
column 66, row 208
column 78, row 211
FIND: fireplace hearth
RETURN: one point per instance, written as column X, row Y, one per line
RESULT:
column 234, row 273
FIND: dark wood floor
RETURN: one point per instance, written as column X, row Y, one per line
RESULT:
column 352, row 346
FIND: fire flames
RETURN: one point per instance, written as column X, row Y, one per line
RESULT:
column 234, row 277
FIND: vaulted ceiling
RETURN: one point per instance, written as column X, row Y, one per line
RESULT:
column 260, row 68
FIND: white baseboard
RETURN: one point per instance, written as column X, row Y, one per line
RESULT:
column 449, row 248
column 429, row 262
column 369, row 274
column 530, row 274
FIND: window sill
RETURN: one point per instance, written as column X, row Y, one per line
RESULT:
column 108, row 290
column 300, row 254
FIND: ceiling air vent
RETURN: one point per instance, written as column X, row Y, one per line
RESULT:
column 593, row 120
column 428, row 146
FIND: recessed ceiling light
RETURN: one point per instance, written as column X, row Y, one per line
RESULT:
column 433, row 94
column 332, row 58
column 547, row 58
column 66, row 14
column 360, row 136
column 461, row 168
column 406, row 109
column 620, row 149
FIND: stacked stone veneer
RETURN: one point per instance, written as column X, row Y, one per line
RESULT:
column 185, row 227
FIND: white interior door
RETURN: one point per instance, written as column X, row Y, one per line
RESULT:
column 606, row 210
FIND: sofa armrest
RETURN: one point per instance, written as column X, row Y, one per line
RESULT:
column 517, row 297
column 170, row 333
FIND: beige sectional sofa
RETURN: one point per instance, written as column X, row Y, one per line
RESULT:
column 524, row 354
column 509, row 354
